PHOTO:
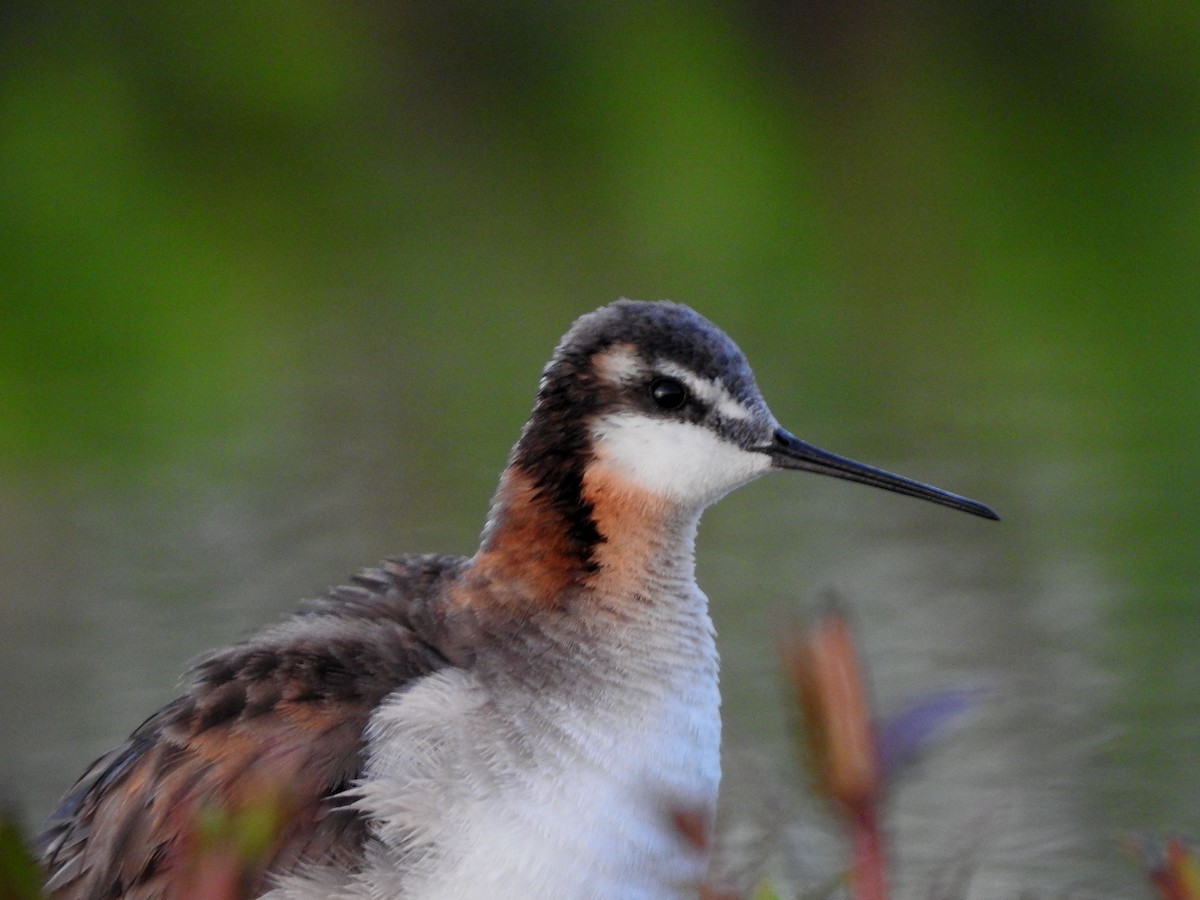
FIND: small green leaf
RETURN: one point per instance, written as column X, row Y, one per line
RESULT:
column 19, row 875
column 764, row 890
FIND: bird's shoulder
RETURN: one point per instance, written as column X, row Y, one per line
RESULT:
column 269, row 728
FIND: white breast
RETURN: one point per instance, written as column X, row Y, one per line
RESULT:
column 567, row 781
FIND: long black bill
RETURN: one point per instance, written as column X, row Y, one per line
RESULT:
column 789, row 452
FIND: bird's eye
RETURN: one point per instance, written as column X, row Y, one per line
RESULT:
column 667, row 393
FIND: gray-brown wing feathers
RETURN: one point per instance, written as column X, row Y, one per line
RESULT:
column 276, row 720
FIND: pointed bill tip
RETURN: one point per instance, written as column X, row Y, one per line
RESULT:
column 789, row 452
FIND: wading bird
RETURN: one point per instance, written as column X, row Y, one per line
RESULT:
column 535, row 721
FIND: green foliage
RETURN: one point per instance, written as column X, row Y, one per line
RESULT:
column 185, row 191
column 19, row 875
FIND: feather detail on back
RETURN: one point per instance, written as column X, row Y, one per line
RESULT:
column 280, row 717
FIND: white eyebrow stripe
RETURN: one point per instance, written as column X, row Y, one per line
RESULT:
column 619, row 363
column 713, row 393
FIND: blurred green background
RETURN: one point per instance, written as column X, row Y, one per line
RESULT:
column 277, row 279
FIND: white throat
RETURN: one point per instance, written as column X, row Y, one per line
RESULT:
column 685, row 463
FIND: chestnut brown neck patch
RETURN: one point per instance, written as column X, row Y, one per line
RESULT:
column 536, row 543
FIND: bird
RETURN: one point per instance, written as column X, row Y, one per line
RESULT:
column 538, row 720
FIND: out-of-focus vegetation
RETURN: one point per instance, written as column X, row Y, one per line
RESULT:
column 186, row 188
column 19, row 875
column 275, row 279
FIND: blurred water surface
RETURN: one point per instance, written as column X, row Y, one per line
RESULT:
column 275, row 291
